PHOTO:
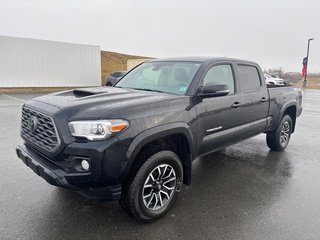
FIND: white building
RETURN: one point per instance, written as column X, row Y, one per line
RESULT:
column 39, row 63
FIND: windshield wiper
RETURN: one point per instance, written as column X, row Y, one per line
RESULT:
column 149, row 90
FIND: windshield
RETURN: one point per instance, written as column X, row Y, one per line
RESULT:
column 168, row 77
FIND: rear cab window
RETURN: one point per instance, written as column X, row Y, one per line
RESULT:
column 249, row 78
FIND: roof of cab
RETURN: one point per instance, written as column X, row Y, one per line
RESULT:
column 204, row 59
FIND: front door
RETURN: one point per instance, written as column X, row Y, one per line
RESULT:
column 218, row 116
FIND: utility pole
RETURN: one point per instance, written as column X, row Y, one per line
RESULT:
column 305, row 75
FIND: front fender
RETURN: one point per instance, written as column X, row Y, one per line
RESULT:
column 155, row 133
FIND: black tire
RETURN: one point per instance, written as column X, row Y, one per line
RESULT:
column 135, row 199
column 279, row 138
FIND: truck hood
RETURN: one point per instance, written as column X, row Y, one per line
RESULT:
column 108, row 95
column 101, row 102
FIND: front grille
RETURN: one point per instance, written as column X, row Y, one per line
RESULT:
column 39, row 129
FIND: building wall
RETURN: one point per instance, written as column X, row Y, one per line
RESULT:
column 39, row 63
column 112, row 62
column 131, row 63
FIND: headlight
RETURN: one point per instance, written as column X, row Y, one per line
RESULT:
column 97, row 129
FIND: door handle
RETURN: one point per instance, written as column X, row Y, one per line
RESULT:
column 235, row 105
column 263, row 99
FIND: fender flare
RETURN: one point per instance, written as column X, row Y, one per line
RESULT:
column 155, row 133
column 283, row 109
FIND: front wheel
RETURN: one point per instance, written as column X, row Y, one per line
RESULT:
column 278, row 139
column 155, row 187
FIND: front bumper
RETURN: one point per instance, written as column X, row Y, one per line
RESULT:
column 56, row 176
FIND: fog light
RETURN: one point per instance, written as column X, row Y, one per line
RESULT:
column 85, row 164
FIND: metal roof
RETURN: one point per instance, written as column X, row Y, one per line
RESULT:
column 201, row 59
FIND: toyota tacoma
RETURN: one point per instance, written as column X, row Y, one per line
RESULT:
column 135, row 141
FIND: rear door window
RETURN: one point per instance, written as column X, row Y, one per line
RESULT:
column 249, row 78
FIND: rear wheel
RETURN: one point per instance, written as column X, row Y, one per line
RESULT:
column 154, row 188
column 278, row 139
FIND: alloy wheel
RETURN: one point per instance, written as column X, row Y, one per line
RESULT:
column 285, row 134
column 159, row 187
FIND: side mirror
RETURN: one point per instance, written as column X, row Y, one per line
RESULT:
column 214, row 90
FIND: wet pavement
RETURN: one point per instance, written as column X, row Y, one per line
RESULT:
column 242, row 192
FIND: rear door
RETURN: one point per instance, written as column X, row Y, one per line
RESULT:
column 254, row 99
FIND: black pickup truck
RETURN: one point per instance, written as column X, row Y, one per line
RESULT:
column 135, row 142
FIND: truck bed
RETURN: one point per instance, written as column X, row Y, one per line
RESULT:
column 278, row 86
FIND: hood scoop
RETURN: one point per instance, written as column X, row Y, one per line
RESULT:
column 86, row 93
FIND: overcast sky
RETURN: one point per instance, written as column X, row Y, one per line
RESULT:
column 273, row 33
